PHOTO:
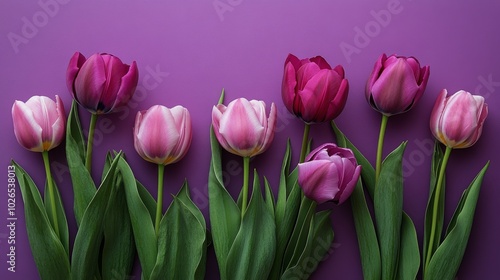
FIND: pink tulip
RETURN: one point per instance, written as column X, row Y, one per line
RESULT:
column 39, row 123
column 396, row 84
column 102, row 82
column 243, row 128
column 329, row 173
column 457, row 120
column 162, row 135
column 312, row 90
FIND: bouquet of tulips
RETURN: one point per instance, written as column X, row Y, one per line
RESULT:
column 257, row 235
column 119, row 217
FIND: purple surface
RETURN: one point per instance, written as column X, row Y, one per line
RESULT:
column 187, row 52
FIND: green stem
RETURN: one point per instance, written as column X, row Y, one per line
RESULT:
column 246, row 171
column 305, row 142
column 380, row 146
column 159, row 202
column 52, row 196
column 437, row 195
column 90, row 142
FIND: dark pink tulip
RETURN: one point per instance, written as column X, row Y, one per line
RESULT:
column 163, row 135
column 329, row 173
column 39, row 123
column 396, row 84
column 457, row 120
column 243, row 128
column 102, row 82
column 312, row 90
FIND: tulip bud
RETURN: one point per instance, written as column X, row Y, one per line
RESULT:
column 457, row 120
column 330, row 173
column 162, row 135
column 396, row 84
column 39, row 123
column 242, row 128
column 102, row 82
column 312, row 90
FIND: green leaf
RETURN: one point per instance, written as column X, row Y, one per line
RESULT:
column 49, row 254
column 252, row 253
column 282, row 190
column 119, row 248
column 62, row 222
column 318, row 244
column 84, row 261
column 300, row 233
column 437, row 160
column 269, row 197
column 182, row 241
column 388, row 207
column 224, row 213
column 446, row 261
column 365, row 228
column 143, row 228
column 367, row 236
column 83, row 185
column 147, row 199
column 409, row 255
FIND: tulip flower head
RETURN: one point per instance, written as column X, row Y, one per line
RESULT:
column 396, row 84
column 162, row 135
column 39, row 123
column 329, row 173
column 102, row 82
column 243, row 128
column 457, row 120
column 312, row 90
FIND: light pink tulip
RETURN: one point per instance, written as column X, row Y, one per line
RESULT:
column 243, row 128
column 162, row 135
column 396, row 84
column 457, row 120
column 102, row 82
column 39, row 123
column 329, row 173
column 312, row 90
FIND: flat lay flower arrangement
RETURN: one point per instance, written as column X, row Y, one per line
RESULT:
column 266, row 232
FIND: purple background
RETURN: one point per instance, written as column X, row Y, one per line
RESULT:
column 187, row 52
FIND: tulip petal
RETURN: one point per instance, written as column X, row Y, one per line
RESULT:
column 337, row 105
column 241, row 127
column 460, row 118
column 26, row 129
column 114, row 71
column 59, row 125
column 271, row 125
column 319, row 180
column 157, row 133
column 349, row 187
column 74, row 65
column 183, row 124
column 321, row 62
column 315, row 96
column 305, row 73
column 128, row 86
column 288, row 86
column 437, row 110
column 375, row 74
column 90, row 82
column 394, row 92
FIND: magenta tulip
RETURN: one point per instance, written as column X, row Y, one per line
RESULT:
column 457, row 120
column 102, row 82
column 329, row 173
column 243, row 128
column 396, row 84
column 162, row 135
column 312, row 90
column 39, row 123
